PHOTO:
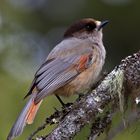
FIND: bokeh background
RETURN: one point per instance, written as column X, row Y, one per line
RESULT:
column 29, row 29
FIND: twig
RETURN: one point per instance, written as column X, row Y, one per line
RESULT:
column 53, row 119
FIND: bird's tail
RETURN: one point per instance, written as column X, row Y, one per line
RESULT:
column 26, row 117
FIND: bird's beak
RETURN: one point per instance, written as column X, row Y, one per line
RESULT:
column 102, row 24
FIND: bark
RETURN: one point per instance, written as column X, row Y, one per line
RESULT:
column 97, row 106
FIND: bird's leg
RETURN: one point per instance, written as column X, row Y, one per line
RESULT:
column 62, row 103
column 60, row 100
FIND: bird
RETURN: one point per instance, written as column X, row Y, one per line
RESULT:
column 72, row 67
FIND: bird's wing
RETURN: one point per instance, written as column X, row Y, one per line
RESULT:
column 58, row 72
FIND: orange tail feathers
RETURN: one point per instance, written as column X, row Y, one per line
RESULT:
column 26, row 117
column 32, row 112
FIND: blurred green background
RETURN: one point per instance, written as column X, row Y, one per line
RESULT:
column 29, row 29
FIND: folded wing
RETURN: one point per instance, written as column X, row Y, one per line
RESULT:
column 57, row 73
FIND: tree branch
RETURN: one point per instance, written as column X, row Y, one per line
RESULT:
column 121, row 83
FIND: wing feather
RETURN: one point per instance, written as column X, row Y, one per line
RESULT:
column 48, row 78
column 49, row 73
column 56, row 83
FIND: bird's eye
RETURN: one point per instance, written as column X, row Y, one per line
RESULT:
column 90, row 27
